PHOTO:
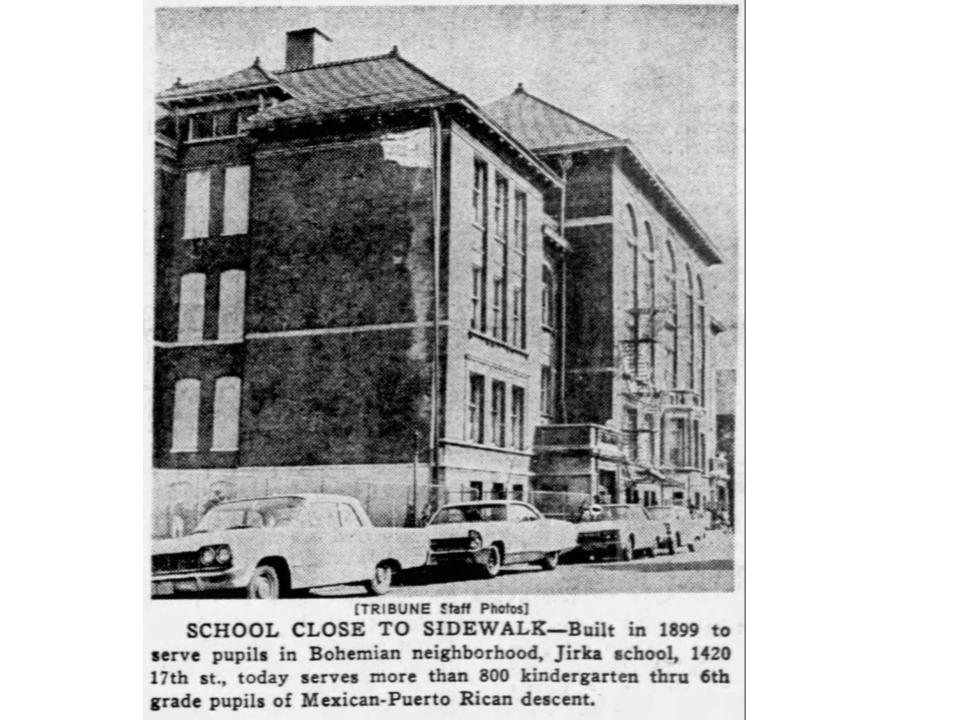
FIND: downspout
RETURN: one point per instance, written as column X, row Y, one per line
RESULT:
column 565, row 164
column 435, row 374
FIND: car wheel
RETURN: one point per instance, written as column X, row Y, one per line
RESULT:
column 492, row 562
column 550, row 561
column 382, row 580
column 265, row 584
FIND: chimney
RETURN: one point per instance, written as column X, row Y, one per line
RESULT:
column 306, row 47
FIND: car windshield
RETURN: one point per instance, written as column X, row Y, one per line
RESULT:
column 665, row 512
column 261, row 513
column 612, row 512
column 470, row 513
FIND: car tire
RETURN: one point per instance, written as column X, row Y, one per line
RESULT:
column 265, row 584
column 382, row 580
column 550, row 561
column 492, row 563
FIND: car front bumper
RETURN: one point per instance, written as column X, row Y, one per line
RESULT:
column 457, row 557
column 167, row 585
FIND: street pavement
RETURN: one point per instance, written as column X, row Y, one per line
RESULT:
column 708, row 569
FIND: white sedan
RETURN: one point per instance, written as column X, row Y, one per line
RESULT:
column 491, row 534
column 268, row 546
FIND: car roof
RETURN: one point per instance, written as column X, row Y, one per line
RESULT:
column 476, row 503
column 302, row 496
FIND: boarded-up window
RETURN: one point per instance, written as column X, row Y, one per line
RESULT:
column 186, row 411
column 226, row 414
column 196, row 220
column 192, row 289
column 230, row 317
column 236, row 200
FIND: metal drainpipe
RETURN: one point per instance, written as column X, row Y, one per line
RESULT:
column 565, row 164
column 435, row 375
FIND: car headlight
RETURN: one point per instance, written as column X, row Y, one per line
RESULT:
column 476, row 541
column 224, row 555
column 207, row 556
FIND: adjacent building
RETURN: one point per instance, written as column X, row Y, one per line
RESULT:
column 367, row 283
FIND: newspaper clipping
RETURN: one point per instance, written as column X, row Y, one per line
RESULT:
column 443, row 343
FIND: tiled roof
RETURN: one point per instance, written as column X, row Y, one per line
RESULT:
column 252, row 76
column 538, row 124
column 352, row 84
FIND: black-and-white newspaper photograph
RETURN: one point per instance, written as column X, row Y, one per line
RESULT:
column 445, row 309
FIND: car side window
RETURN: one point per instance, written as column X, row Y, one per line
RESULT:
column 521, row 513
column 348, row 518
column 324, row 516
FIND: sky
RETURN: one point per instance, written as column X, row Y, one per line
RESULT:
column 663, row 76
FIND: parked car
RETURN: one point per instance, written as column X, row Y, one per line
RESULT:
column 491, row 534
column 682, row 528
column 269, row 546
column 618, row 532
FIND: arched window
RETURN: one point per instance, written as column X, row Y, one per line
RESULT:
column 633, row 222
column 230, row 315
column 702, row 338
column 651, row 300
column 673, row 343
column 193, row 287
column 186, row 415
column 691, row 332
column 226, row 414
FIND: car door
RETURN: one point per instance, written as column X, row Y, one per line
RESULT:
column 527, row 528
column 357, row 558
column 327, row 548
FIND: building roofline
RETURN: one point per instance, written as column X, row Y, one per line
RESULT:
column 696, row 234
column 520, row 90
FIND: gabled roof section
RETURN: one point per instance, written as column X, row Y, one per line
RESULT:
column 247, row 79
column 551, row 131
column 352, row 85
column 538, row 124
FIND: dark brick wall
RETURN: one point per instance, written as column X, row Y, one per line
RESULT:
column 589, row 187
column 341, row 238
column 339, row 398
column 589, row 324
column 206, row 363
column 176, row 256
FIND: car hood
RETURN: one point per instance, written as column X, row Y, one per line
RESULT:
column 195, row 541
column 449, row 530
column 597, row 525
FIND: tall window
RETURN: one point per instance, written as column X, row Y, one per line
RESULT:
column 498, row 413
column 702, row 335
column 651, row 299
column 696, row 445
column 499, row 311
column 691, row 333
column 476, row 298
column 480, row 193
column 236, row 200
column 500, row 209
column 634, row 323
column 677, row 451
column 226, row 414
column 546, row 391
column 193, row 287
column 196, row 220
column 516, row 418
column 672, row 317
column 631, row 433
column 519, row 269
column 547, row 298
column 650, row 440
column 516, row 322
column 230, row 315
column 476, row 408
column 186, row 415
